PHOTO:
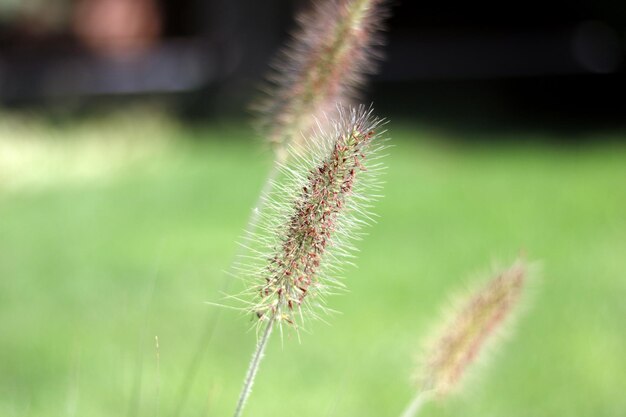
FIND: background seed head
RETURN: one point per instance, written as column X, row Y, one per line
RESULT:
column 326, row 63
column 470, row 330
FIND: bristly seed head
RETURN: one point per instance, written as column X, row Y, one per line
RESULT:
column 471, row 327
column 324, row 65
column 312, row 216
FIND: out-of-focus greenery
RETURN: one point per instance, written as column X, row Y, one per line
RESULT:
column 115, row 231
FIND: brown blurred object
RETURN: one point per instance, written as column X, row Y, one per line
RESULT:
column 117, row 27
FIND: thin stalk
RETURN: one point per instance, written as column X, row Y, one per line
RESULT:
column 253, row 368
column 416, row 405
column 213, row 318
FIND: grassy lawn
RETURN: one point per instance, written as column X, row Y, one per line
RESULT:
column 115, row 231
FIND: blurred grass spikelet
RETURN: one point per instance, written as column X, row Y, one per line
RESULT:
column 312, row 216
column 471, row 327
column 333, row 49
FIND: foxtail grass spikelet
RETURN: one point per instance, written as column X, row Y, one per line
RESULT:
column 468, row 332
column 305, row 232
column 312, row 216
column 471, row 327
column 325, row 64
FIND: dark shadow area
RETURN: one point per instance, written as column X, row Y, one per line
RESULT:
column 556, row 67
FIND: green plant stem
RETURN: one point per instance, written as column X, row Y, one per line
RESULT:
column 415, row 405
column 254, row 367
column 213, row 319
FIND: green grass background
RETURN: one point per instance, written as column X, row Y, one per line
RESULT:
column 115, row 231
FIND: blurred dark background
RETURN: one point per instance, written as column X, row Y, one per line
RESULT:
column 547, row 64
